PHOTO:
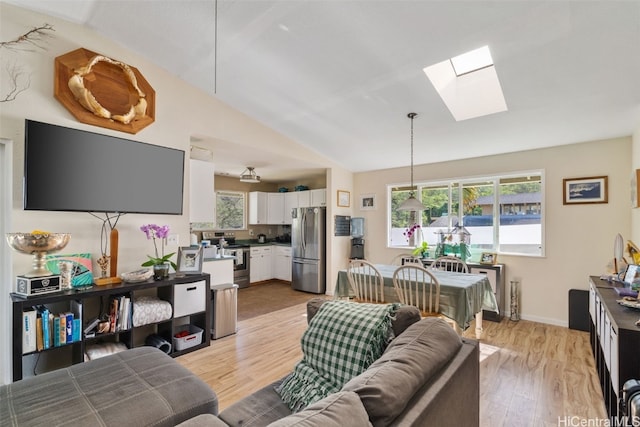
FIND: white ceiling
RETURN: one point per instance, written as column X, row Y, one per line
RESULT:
column 341, row 76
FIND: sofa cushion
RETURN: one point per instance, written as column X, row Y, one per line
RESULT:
column 336, row 410
column 203, row 420
column 137, row 387
column 408, row 363
column 342, row 340
column 258, row 409
column 405, row 316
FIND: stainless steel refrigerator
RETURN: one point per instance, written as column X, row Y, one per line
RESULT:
column 308, row 243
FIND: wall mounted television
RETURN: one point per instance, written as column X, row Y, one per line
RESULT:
column 74, row 170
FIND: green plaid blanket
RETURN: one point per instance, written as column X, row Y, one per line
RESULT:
column 342, row 340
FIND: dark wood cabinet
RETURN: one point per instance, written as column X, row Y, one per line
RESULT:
column 182, row 293
column 615, row 341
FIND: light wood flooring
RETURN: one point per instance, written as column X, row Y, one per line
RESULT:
column 531, row 374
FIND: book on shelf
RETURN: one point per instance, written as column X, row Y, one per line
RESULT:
column 39, row 336
column 29, row 331
column 46, row 330
column 56, row 331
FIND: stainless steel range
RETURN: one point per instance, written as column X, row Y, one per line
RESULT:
column 242, row 260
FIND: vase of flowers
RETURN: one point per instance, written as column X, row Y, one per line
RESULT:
column 160, row 262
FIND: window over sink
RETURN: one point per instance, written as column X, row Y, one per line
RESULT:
column 503, row 213
column 230, row 210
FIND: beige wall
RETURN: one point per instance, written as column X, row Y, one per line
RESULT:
column 579, row 238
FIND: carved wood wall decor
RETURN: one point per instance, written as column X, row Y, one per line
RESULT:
column 103, row 92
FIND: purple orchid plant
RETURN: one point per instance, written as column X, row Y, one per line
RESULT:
column 154, row 232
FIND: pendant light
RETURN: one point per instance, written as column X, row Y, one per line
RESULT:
column 411, row 204
column 249, row 175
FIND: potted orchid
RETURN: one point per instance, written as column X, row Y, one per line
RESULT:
column 160, row 263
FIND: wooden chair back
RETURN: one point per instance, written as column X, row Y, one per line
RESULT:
column 403, row 259
column 449, row 263
column 365, row 281
column 417, row 286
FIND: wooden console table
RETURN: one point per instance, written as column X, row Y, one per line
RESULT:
column 181, row 292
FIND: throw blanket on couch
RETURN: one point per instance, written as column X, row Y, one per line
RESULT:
column 342, row 340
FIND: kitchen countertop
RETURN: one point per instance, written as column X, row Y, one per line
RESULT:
column 286, row 244
column 225, row 257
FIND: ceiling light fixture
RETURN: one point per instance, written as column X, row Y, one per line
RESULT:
column 411, row 204
column 249, row 175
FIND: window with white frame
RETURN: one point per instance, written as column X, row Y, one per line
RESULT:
column 500, row 213
column 230, row 210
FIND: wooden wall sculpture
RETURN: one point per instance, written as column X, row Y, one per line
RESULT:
column 103, row 92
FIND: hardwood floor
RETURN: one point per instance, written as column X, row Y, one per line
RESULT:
column 531, row 374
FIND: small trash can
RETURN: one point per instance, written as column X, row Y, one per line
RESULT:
column 224, row 313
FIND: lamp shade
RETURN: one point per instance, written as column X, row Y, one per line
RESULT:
column 411, row 204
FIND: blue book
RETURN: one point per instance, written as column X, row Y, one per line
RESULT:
column 46, row 337
column 77, row 329
column 56, row 331
column 69, row 325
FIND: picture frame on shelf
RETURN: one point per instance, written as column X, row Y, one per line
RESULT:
column 189, row 260
column 576, row 191
column 489, row 258
column 344, row 198
column 368, row 202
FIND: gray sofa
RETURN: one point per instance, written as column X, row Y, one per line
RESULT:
column 427, row 376
column 138, row 387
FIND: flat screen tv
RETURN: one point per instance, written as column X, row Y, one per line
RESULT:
column 73, row 170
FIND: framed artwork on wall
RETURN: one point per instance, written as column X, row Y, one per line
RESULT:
column 344, row 198
column 368, row 202
column 577, row 191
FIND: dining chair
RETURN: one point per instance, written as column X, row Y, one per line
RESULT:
column 449, row 263
column 402, row 259
column 365, row 281
column 417, row 286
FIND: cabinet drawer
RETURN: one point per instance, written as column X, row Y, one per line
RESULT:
column 189, row 298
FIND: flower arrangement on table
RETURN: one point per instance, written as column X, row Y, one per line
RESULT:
column 154, row 232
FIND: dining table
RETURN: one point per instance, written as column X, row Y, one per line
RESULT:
column 463, row 296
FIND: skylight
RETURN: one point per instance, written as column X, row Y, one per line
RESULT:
column 472, row 61
column 468, row 84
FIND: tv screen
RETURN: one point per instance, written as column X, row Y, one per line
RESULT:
column 73, row 170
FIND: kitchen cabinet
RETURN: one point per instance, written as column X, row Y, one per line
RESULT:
column 318, row 197
column 304, row 199
column 282, row 263
column 258, row 207
column 261, row 268
column 275, row 208
column 290, row 203
column 201, row 191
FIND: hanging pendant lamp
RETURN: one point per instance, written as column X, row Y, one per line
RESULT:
column 249, row 175
column 411, row 204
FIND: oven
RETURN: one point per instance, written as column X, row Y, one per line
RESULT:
column 241, row 264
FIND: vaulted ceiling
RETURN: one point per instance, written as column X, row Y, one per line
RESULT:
column 340, row 76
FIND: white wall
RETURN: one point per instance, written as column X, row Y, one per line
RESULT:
column 181, row 111
column 579, row 238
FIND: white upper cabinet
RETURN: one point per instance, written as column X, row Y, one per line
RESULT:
column 202, row 198
column 304, row 199
column 257, row 207
column 319, row 197
column 275, row 208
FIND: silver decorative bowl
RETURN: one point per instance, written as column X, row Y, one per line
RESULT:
column 38, row 245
